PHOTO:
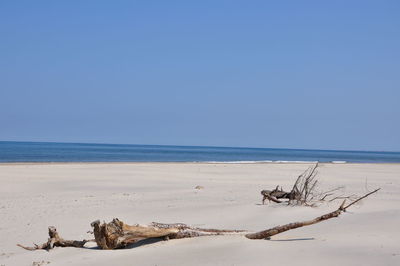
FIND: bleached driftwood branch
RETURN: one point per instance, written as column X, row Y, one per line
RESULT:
column 282, row 228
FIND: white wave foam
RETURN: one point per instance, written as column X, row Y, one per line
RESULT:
column 296, row 161
column 264, row 161
column 238, row 162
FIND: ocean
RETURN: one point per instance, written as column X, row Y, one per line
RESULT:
column 11, row 151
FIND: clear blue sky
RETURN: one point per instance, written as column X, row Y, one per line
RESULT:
column 284, row 74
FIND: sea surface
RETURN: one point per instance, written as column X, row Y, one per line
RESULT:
column 78, row 152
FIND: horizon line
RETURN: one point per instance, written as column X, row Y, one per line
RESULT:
column 197, row 146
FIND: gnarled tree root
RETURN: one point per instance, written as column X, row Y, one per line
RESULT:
column 56, row 241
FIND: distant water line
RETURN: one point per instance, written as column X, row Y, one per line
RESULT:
column 78, row 152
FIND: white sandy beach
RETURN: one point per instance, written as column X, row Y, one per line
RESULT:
column 72, row 195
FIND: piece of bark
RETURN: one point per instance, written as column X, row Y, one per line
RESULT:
column 56, row 241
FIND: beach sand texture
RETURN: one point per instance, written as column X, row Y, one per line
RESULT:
column 72, row 195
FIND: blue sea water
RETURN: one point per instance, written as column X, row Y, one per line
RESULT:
column 79, row 152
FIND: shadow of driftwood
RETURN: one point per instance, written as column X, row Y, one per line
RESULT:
column 140, row 243
column 150, row 241
column 293, row 239
column 144, row 242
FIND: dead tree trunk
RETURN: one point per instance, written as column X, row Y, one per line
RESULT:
column 117, row 234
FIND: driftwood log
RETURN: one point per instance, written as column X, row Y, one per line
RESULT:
column 117, row 234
